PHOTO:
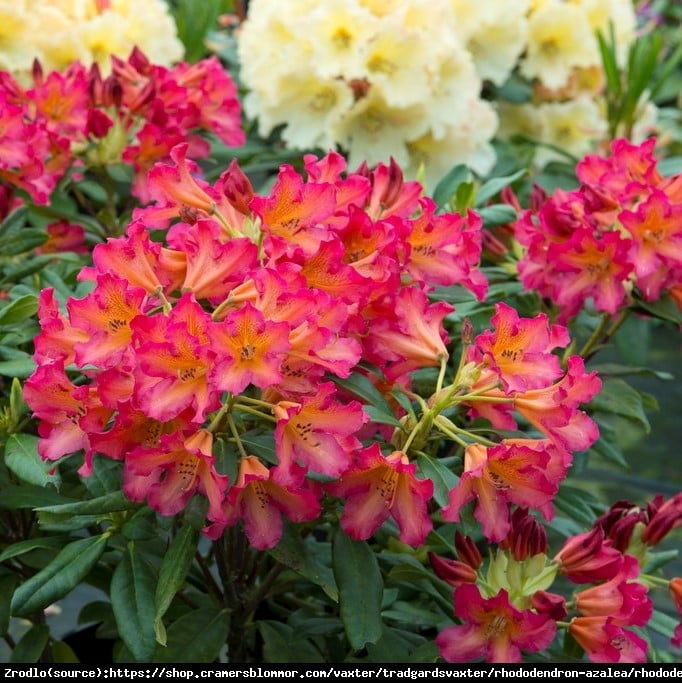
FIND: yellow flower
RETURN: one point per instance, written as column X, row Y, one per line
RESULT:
column 560, row 38
column 494, row 32
column 310, row 107
column 62, row 31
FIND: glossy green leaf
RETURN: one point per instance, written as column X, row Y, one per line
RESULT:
column 28, row 267
column 494, row 186
column 7, row 584
column 31, row 645
column 19, row 367
column 443, row 479
column 607, row 447
column 283, row 645
column 664, row 308
column 294, row 553
column 619, row 398
column 196, row 637
column 361, row 587
column 105, row 478
column 61, row 576
column 50, row 521
column 659, row 559
column 21, row 456
column 174, row 568
column 21, row 242
column 15, row 221
column 421, row 578
column 38, row 543
column 19, row 310
column 132, row 598
column 662, row 623
column 362, row 387
column 449, row 183
column 395, row 645
column 109, row 502
column 380, row 417
column 28, row 496
column 575, row 503
column 497, row 214
column 618, row 370
column 62, row 653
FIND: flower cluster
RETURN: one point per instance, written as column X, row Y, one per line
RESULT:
column 407, row 78
column 378, row 79
column 136, row 115
column 513, row 370
column 251, row 307
column 562, row 62
column 506, row 606
column 616, row 237
column 87, row 31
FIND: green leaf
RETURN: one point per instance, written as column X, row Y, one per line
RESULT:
column 39, row 543
column 296, row 554
column 662, row 623
column 132, row 598
column 464, row 197
column 7, row 584
column 52, row 522
column 28, row 497
column 31, row 645
column 361, row 588
column 61, row 576
column 62, row 653
column 395, row 645
column 607, row 447
column 21, row 456
column 109, row 502
column 174, row 568
column 19, row 310
column 105, row 478
column 262, row 445
column 663, row 308
column 20, row 367
column 193, row 20
column 362, row 387
column 449, row 183
column 15, row 221
column 496, row 214
column 495, row 185
column 575, row 503
column 283, row 645
column 380, row 417
column 443, row 479
column 28, row 267
column 618, row 370
column 619, row 398
column 196, row 637
column 419, row 576
column 658, row 560
column 21, row 242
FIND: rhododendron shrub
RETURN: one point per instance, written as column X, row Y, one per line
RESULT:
column 259, row 400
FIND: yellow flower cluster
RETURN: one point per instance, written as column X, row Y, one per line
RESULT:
column 562, row 60
column 379, row 78
column 403, row 78
column 58, row 32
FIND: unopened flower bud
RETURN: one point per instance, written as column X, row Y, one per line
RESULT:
column 467, row 550
column 452, row 571
column 551, row 604
column 237, row 187
column 467, row 332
